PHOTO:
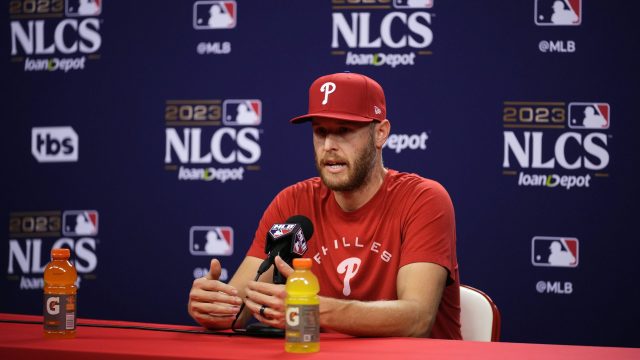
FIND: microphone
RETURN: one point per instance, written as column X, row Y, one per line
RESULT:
column 289, row 241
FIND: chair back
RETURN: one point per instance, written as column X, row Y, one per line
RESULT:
column 479, row 315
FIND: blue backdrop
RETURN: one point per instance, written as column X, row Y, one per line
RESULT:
column 150, row 137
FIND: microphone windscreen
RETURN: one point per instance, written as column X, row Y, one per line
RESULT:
column 305, row 224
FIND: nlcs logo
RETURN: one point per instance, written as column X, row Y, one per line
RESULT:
column 554, row 251
column 558, row 12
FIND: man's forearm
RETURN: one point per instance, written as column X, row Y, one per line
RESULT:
column 376, row 318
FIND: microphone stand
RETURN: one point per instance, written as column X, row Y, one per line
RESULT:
column 259, row 329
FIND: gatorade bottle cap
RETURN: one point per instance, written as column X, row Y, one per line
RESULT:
column 60, row 253
column 302, row 263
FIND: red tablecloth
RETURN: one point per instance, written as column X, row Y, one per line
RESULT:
column 25, row 341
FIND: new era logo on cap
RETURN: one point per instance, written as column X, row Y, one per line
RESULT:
column 345, row 96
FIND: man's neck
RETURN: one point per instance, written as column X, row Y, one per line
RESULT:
column 355, row 199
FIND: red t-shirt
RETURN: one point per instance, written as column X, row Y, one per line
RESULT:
column 357, row 254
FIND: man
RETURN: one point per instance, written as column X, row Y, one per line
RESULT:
column 384, row 242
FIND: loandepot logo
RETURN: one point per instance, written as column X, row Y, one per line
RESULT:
column 399, row 142
column 555, row 144
column 381, row 32
column 55, row 35
column 212, row 140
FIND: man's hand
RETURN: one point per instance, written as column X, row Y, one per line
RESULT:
column 271, row 296
column 213, row 303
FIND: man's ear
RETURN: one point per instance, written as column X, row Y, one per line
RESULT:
column 382, row 131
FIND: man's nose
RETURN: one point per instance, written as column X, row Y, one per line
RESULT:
column 330, row 142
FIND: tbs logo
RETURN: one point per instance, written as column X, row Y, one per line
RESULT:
column 589, row 115
column 554, row 251
column 54, row 144
column 558, row 12
column 78, row 8
column 209, row 15
column 242, row 112
column 211, row 240
column 80, row 223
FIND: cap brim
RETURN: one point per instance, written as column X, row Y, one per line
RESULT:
column 330, row 115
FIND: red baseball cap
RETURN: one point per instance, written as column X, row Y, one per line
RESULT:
column 345, row 96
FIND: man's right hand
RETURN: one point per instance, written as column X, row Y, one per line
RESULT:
column 213, row 303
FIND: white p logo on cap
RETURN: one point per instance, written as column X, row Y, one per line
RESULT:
column 327, row 88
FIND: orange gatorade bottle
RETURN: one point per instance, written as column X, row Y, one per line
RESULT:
column 302, row 309
column 60, row 296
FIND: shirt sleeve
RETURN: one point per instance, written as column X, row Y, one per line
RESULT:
column 429, row 230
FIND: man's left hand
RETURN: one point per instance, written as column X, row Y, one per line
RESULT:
column 270, row 296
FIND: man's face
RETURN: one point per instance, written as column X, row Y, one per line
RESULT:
column 345, row 152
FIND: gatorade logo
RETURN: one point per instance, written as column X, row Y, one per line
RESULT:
column 53, row 305
column 293, row 318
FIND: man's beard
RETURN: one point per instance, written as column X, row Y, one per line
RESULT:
column 357, row 175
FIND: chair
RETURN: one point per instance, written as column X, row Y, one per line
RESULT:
column 479, row 315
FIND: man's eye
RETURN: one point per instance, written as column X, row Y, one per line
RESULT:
column 321, row 132
column 343, row 130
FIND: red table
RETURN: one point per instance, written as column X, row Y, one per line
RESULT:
column 25, row 341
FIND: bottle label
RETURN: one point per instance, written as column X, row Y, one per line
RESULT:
column 59, row 312
column 303, row 323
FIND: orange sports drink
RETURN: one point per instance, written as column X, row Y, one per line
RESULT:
column 60, row 296
column 302, row 309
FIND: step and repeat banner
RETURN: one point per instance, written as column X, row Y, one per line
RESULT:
column 149, row 137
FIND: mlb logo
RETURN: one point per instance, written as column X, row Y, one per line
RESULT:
column 300, row 243
column 589, row 115
column 412, row 4
column 558, row 12
column 77, row 8
column 80, row 223
column 208, row 15
column 552, row 251
column 242, row 112
column 211, row 240
column 280, row 230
